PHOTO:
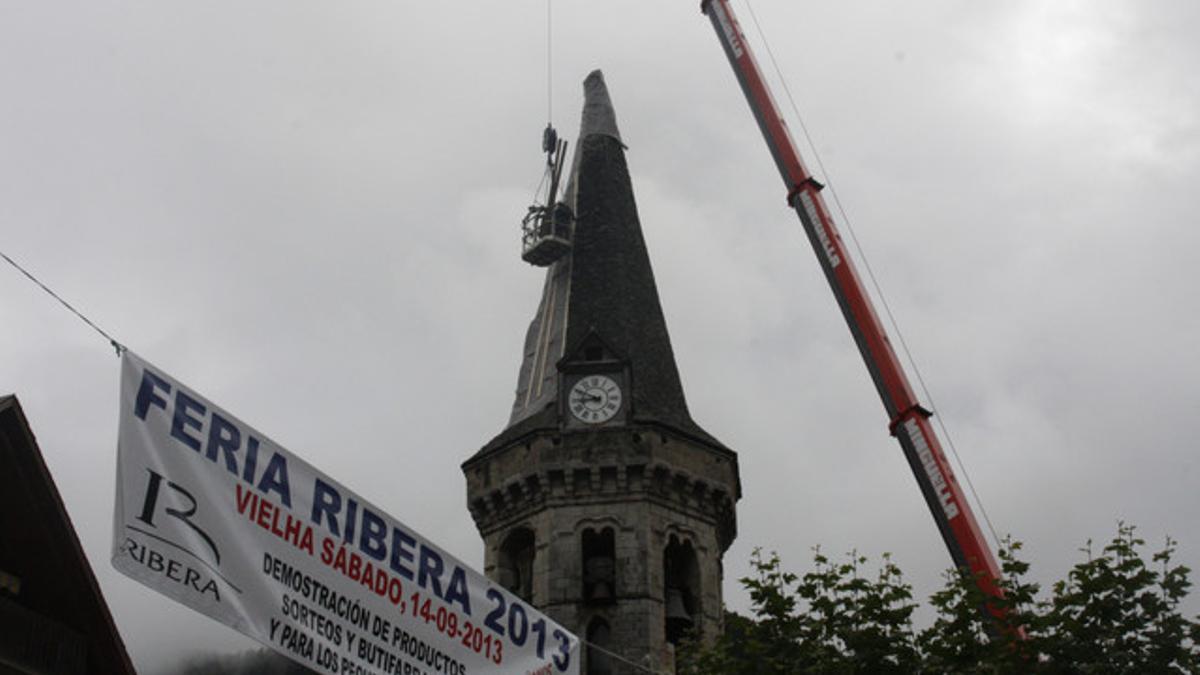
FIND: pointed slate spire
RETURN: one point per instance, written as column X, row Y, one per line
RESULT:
column 603, row 288
column 599, row 118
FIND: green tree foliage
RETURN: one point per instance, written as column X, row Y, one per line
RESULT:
column 832, row 620
column 1115, row 612
column 962, row 640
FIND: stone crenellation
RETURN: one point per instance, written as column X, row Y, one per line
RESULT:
column 591, row 469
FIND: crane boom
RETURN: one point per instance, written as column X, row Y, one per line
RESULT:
column 909, row 421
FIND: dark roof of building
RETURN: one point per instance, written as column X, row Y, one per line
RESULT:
column 52, row 613
column 604, row 287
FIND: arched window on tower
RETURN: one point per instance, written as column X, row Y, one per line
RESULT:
column 681, row 589
column 599, row 635
column 515, row 564
column 599, row 566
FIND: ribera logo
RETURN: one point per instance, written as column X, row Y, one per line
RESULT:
column 183, row 515
column 155, row 543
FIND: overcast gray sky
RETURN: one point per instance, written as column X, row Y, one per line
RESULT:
column 308, row 211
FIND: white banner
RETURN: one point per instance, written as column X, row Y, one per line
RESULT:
column 216, row 516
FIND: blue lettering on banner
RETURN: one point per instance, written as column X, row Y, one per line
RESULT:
column 327, row 501
column 402, row 553
column 430, row 573
column 275, row 479
column 373, row 535
column 351, row 512
column 223, row 439
column 181, row 419
column 146, row 395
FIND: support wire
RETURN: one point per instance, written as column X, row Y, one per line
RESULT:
column 622, row 659
column 111, row 340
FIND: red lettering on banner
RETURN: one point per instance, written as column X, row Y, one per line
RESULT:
column 356, row 568
column 268, row 516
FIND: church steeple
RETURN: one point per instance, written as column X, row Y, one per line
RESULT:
column 602, row 502
column 602, row 291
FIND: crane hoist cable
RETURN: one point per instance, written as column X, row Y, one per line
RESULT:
column 546, row 228
column 549, row 134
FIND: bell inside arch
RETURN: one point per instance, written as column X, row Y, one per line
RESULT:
column 601, row 592
column 681, row 590
column 506, row 577
column 676, row 611
column 599, row 571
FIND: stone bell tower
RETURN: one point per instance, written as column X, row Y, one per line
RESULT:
column 602, row 502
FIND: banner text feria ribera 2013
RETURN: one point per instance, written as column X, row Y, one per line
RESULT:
column 216, row 516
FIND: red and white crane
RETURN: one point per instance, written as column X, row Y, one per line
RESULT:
column 908, row 421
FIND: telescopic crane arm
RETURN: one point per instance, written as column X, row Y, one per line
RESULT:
column 909, row 422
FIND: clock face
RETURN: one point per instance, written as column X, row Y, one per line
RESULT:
column 595, row 399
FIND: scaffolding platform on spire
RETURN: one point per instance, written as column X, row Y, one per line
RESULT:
column 546, row 227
